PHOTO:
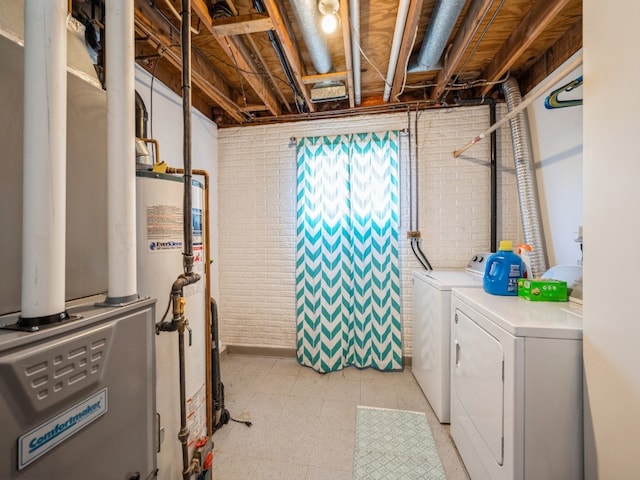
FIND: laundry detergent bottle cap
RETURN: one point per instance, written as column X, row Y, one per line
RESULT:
column 502, row 271
column 506, row 245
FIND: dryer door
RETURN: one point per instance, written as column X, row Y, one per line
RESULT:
column 478, row 382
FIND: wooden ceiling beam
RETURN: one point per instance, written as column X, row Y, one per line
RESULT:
column 409, row 35
column 532, row 25
column 239, row 54
column 476, row 13
column 557, row 54
column 272, row 77
column 149, row 23
column 283, row 31
column 242, row 24
column 346, row 39
column 324, row 77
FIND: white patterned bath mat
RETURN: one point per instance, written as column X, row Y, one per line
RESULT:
column 394, row 445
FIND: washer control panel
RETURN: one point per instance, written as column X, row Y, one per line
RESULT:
column 478, row 262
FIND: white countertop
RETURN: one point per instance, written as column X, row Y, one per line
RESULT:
column 523, row 318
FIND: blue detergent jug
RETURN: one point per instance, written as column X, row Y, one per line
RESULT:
column 502, row 271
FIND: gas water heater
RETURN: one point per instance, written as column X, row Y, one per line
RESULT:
column 160, row 229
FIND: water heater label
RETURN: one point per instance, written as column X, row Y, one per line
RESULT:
column 40, row 440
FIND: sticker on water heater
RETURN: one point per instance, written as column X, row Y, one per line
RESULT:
column 40, row 440
column 169, row 245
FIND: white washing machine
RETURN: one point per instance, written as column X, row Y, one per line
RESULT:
column 516, row 386
column 431, row 328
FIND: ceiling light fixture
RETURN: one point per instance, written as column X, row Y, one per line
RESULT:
column 329, row 10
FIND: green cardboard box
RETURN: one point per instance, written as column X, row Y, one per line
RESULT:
column 538, row 290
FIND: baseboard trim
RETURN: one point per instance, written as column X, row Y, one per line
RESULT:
column 281, row 352
column 261, row 351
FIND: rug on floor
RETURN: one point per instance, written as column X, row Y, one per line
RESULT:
column 394, row 445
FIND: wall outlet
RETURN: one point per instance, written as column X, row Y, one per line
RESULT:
column 578, row 235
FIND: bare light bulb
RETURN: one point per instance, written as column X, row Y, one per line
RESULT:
column 329, row 23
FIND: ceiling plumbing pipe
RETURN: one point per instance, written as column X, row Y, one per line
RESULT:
column 354, row 15
column 443, row 20
column 526, row 180
column 121, row 177
column 309, row 17
column 45, row 150
column 401, row 20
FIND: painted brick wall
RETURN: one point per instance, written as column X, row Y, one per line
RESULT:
column 257, row 172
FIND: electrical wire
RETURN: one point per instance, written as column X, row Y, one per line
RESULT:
column 482, row 35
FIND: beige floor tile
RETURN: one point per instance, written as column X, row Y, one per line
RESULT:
column 304, row 422
column 324, row 473
column 310, row 385
column 277, row 384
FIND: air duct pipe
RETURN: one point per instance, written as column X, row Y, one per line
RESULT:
column 45, row 169
column 309, row 17
column 354, row 15
column 121, row 177
column 443, row 20
column 526, row 180
column 401, row 20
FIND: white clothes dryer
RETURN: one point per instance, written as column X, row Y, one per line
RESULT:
column 516, row 386
column 432, row 330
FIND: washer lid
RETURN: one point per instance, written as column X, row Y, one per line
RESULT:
column 447, row 279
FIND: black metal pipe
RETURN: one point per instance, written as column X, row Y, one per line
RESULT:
column 493, row 166
column 183, row 435
column 141, row 117
column 494, row 177
column 186, row 143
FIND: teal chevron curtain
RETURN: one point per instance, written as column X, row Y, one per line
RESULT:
column 347, row 273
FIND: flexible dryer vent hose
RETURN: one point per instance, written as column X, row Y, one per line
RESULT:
column 526, row 180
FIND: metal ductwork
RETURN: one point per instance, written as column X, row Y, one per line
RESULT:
column 526, row 180
column 309, row 17
column 443, row 20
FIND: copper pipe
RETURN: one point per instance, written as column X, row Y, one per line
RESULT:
column 207, row 294
column 156, row 146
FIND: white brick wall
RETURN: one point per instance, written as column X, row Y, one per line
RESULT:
column 257, row 171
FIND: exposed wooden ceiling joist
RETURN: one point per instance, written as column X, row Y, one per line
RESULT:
column 536, row 20
column 476, row 13
column 557, row 54
column 242, row 24
column 272, row 77
column 408, row 37
column 239, row 54
column 324, row 77
column 149, row 23
column 283, row 31
column 346, row 39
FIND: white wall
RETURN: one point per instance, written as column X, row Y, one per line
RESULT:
column 257, row 174
column 611, row 227
column 165, row 116
column 557, row 147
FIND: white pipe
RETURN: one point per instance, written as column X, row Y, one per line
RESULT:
column 44, row 150
column 121, row 186
column 544, row 86
column 354, row 15
column 401, row 20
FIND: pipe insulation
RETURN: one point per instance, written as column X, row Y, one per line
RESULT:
column 398, row 32
column 309, row 17
column 44, row 150
column 121, row 176
column 444, row 18
column 526, row 180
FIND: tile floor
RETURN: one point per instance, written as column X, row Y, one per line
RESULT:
column 304, row 422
